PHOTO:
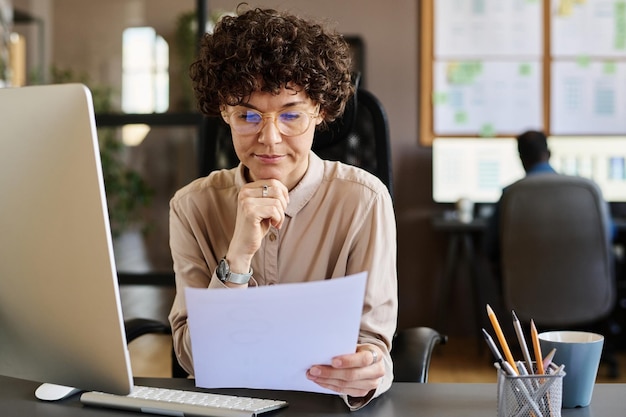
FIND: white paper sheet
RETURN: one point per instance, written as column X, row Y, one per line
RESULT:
column 588, row 98
column 267, row 337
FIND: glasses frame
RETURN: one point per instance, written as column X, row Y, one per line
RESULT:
column 274, row 116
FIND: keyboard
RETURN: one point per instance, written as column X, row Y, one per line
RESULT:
column 173, row 402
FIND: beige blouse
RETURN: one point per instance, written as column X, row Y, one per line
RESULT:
column 339, row 221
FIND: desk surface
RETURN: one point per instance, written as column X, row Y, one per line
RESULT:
column 404, row 399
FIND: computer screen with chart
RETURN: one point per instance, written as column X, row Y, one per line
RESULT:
column 600, row 158
column 474, row 168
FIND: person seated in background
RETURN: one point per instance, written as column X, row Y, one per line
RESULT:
column 284, row 215
column 535, row 157
column 534, row 154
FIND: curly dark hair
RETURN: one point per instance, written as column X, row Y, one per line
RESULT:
column 267, row 50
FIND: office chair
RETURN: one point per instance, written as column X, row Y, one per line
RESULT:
column 411, row 353
column 361, row 138
column 557, row 267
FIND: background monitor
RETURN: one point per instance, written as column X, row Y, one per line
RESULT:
column 600, row 158
column 60, row 312
column 474, row 168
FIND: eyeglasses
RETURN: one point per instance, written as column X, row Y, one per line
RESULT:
column 288, row 122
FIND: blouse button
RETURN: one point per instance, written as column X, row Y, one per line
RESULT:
column 272, row 237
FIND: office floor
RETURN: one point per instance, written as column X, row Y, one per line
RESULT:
column 460, row 360
column 150, row 356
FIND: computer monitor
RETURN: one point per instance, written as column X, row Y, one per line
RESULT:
column 600, row 158
column 474, row 168
column 60, row 313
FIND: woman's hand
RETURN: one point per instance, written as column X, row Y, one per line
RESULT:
column 261, row 204
column 355, row 374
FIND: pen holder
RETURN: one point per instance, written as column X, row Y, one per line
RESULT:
column 530, row 395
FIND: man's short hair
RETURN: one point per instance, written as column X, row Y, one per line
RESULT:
column 533, row 147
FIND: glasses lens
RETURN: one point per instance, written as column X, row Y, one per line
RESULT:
column 246, row 122
column 293, row 123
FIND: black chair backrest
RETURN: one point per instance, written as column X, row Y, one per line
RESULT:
column 360, row 138
column 556, row 262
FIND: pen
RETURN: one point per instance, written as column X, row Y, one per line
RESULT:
column 522, row 343
column 496, row 353
column 548, row 359
column 492, row 346
column 508, row 368
column 537, row 347
column 501, row 339
column 530, row 388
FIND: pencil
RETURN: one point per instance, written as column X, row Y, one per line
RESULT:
column 537, row 347
column 522, row 343
column 501, row 339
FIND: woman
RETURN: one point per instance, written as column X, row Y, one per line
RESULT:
column 285, row 215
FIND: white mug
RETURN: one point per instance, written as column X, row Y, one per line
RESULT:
column 465, row 210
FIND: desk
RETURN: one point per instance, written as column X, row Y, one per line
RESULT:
column 403, row 399
column 460, row 250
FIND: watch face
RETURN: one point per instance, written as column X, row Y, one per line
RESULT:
column 223, row 270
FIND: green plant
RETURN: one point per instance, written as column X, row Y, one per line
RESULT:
column 186, row 46
column 186, row 43
column 126, row 190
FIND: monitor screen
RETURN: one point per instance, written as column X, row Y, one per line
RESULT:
column 474, row 168
column 600, row 158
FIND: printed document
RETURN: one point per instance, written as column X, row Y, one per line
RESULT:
column 268, row 337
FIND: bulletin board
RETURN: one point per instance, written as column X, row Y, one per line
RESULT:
column 500, row 67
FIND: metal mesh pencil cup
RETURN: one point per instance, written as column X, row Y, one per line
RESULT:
column 530, row 395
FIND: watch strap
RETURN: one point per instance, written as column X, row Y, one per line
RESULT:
column 236, row 278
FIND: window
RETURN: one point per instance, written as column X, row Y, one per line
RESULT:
column 145, row 78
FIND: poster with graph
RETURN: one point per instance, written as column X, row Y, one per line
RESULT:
column 588, row 98
column 487, row 97
column 588, row 67
column 588, row 28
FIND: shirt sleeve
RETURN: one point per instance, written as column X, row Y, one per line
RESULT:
column 375, row 250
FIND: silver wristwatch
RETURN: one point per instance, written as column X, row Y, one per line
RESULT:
column 225, row 275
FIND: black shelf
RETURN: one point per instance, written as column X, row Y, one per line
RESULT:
column 152, row 119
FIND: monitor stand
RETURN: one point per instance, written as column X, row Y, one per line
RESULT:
column 52, row 392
